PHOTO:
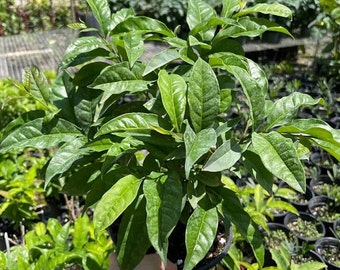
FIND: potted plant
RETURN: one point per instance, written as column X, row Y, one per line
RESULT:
column 329, row 249
column 151, row 144
column 297, row 224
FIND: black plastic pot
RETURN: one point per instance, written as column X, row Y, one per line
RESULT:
column 322, row 247
column 305, row 217
column 315, row 183
column 318, row 202
column 336, row 229
column 300, row 206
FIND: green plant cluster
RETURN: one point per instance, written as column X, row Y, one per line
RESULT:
column 34, row 15
column 56, row 246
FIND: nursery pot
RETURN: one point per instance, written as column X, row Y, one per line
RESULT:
column 326, row 246
column 301, row 225
column 321, row 207
column 316, row 184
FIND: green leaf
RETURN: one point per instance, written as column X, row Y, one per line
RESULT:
column 88, row 73
column 199, row 12
column 40, row 135
column 61, row 241
column 229, row 7
column 275, row 9
column 65, row 156
column 280, row 157
column 224, row 157
column 318, row 131
column 163, row 205
column 133, row 227
column 134, row 46
column 197, row 145
column 255, row 86
column 199, row 235
column 203, row 96
column 113, row 203
column 81, row 230
column 132, row 123
column 173, row 89
column 255, row 167
column 53, row 227
column 161, row 59
column 101, row 11
column 141, row 25
column 285, row 109
column 36, row 84
column 233, row 210
column 81, row 46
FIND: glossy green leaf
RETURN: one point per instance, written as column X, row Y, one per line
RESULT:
column 229, row 7
column 133, row 227
column 40, row 135
column 88, row 73
column 199, row 235
column 142, row 25
column 161, row 59
column 81, row 46
column 318, row 131
column 224, row 157
column 255, row 167
column 53, row 227
column 101, row 11
column 134, row 47
column 203, row 96
column 132, row 123
column 280, row 157
column 233, row 210
column 36, row 84
column 65, row 156
column 285, row 109
column 200, row 12
column 264, row 8
column 163, row 205
column 255, row 86
column 61, row 242
column 197, row 145
column 114, row 202
column 173, row 89
column 81, row 230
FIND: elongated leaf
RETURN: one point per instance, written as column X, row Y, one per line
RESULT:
column 173, row 89
column 200, row 12
column 285, row 109
column 161, row 59
column 224, row 157
column 81, row 46
column 203, row 95
column 63, row 159
column 199, row 235
column 264, row 8
column 163, row 206
column 61, row 241
column 36, row 84
column 229, row 7
column 133, row 123
column 255, row 167
column 318, row 131
column 40, row 135
column 233, row 211
column 142, row 25
column 134, row 47
column 280, row 157
column 115, row 201
column 101, row 11
column 196, row 145
column 255, row 86
column 133, row 227
column 81, row 230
